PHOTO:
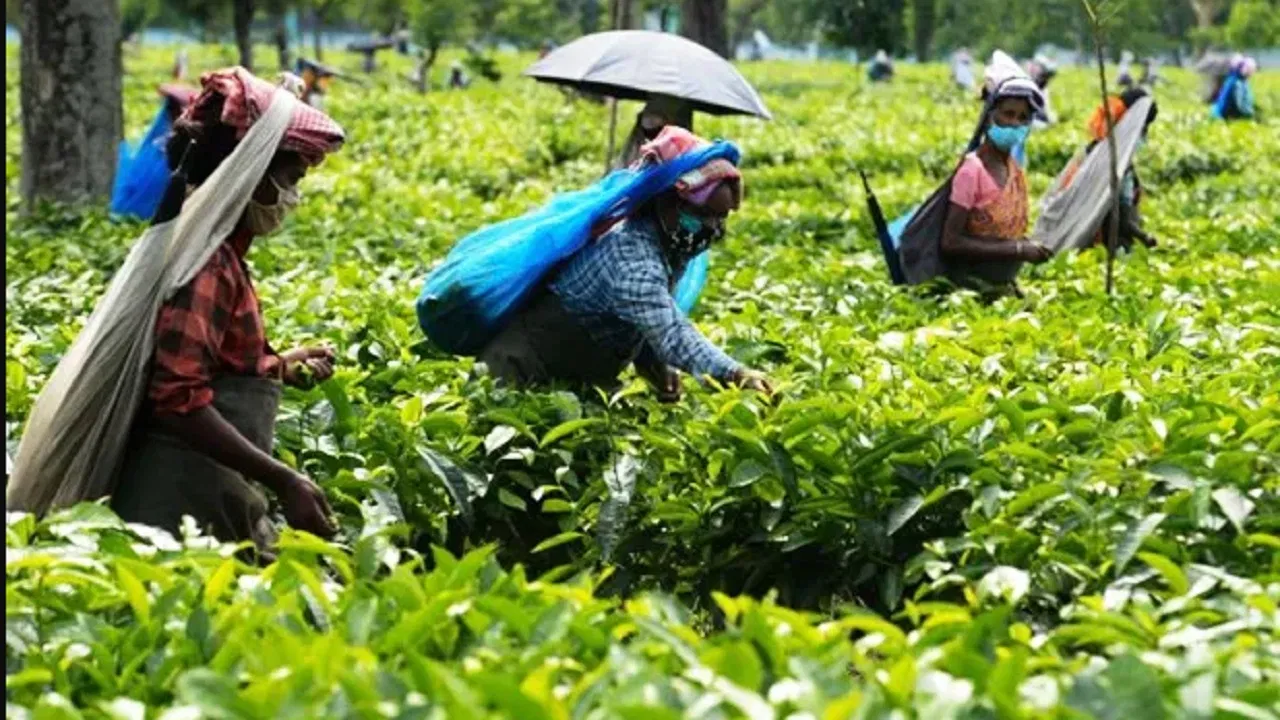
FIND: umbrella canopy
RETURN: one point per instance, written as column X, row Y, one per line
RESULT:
column 634, row 64
column 374, row 44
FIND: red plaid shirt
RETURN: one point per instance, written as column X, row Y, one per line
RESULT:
column 212, row 326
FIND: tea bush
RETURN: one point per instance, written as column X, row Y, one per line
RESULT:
column 1061, row 506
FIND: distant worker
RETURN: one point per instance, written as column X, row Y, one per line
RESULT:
column 1131, row 191
column 1150, row 72
column 1235, row 99
column 180, row 65
column 881, row 68
column 315, row 81
column 458, row 79
column 1043, row 70
column 1213, row 68
column 421, row 75
column 962, row 70
column 142, row 168
column 1125, row 76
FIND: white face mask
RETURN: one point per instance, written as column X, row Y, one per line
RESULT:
column 267, row 219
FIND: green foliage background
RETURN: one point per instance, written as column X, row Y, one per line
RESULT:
column 1056, row 507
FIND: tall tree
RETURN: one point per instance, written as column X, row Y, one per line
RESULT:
column 435, row 22
column 589, row 16
column 70, row 65
column 135, row 15
column 867, row 25
column 276, row 11
column 1207, row 11
column 925, row 15
column 743, row 14
column 706, row 22
column 242, row 11
column 322, row 12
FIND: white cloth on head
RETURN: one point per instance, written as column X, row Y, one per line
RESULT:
column 1001, row 68
column 76, row 435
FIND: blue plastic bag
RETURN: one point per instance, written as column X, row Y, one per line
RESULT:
column 467, row 300
column 142, row 172
column 1234, row 85
column 692, row 282
column 897, row 226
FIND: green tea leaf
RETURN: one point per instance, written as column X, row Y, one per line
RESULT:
column 566, row 429
column 1134, row 538
column 1169, row 570
column 558, row 540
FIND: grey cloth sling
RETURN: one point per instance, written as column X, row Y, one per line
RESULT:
column 1070, row 214
column 163, row 478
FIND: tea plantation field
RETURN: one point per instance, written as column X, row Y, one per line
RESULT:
column 1060, row 506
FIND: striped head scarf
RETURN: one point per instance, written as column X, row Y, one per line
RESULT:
column 696, row 185
column 311, row 133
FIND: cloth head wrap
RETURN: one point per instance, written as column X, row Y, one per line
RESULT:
column 697, row 185
column 1119, row 106
column 1246, row 66
column 1020, row 87
column 311, row 133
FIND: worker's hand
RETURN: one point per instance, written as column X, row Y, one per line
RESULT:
column 305, row 367
column 304, row 504
column 752, row 380
column 1033, row 252
column 665, row 381
column 1148, row 240
column 667, row 385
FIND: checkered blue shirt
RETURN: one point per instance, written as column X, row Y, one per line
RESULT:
column 619, row 288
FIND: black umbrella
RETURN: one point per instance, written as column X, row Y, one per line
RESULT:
column 882, row 232
column 637, row 64
column 371, row 45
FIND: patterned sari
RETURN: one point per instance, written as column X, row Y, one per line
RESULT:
column 1006, row 217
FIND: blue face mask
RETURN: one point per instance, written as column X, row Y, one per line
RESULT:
column 1007, row 138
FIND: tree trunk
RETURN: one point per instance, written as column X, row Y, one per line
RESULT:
column 243, row 17
column 1206, row 11
column 282, row 41
column 590, row 16
column 70, row 70
column 316, row 30
column 1113, row 229
column 742, row 20
column 705, row 22
column 925, row 24
column 620, row 15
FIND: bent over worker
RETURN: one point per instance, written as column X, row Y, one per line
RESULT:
column 611, row 305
